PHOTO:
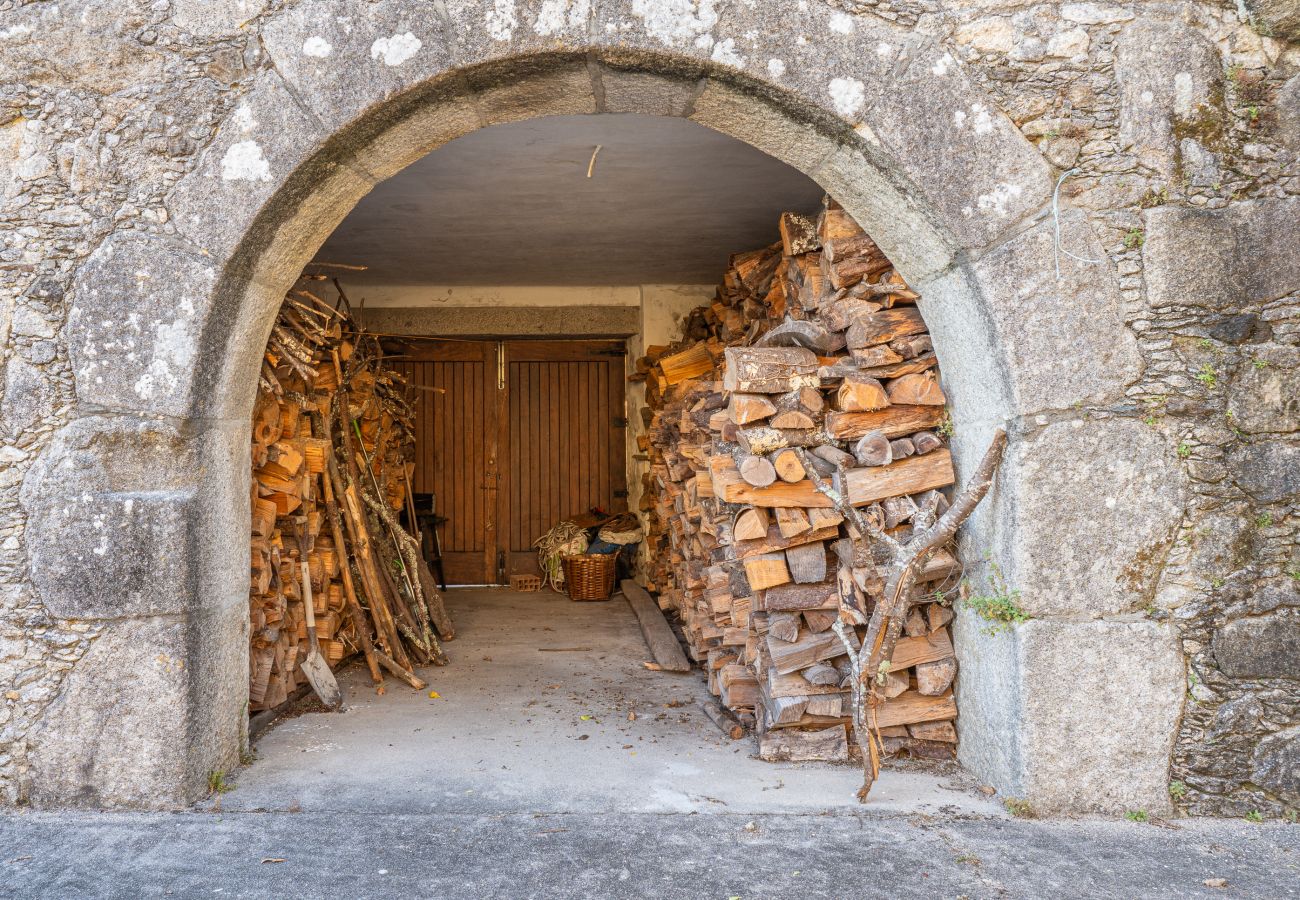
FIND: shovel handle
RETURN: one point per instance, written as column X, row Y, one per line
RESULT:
column 309, row 606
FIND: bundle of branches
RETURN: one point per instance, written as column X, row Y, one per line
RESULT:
column 332, row 445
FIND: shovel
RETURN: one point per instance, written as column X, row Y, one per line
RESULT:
column 314, row 666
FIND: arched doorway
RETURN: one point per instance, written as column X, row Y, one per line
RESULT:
column 961, row 203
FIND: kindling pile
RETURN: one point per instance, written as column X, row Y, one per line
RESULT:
column 798, row 448
column 332, row 450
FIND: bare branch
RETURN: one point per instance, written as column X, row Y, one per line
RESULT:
column 965, row 504
column 887, row 618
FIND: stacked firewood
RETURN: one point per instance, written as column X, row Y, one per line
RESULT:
column 332, row 451
column 810, row 379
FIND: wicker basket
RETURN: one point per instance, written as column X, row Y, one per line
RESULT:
column 589, row 576
column 526, row 584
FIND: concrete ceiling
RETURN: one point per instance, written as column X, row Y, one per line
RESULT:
column 667, row 203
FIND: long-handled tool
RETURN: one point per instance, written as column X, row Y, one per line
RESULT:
column 314, row 666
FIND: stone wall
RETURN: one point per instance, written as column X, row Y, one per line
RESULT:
column 1179, row 123
column 1181, row 126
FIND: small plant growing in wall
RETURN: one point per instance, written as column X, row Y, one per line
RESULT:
column 1184, row 450
column 1137, row 815
column 1134, row 239
column 998, row 604
column 217, row 783
column 1177, row 790
column 1255, row 816
column 1154, row 198
column 1021, row 809
column 1263, row 520
column 1207, row 376
column 945, row 427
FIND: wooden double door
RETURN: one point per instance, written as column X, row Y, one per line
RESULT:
column 513, row 437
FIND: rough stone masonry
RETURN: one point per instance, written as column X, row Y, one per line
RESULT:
column 1102, row 198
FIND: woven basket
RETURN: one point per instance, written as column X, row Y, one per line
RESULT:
column 589, row 576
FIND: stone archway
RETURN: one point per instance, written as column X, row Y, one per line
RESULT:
column 166, row 330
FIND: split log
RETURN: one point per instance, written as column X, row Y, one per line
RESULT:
column 787, row 745
column 745, row 408
column 884, row 326
column 798, row 234
column 790, row 521
column 799, row 597
column 766, row 571
column 751, row 524
column 690, row 363
column 921, row 389
column 769, row 370
column 860, row 393
column 787, row 466
column 873, row 449
column 784, row 626
column 807, row 563
column 895, row 421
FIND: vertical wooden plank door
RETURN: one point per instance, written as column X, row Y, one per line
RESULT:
column 520, row 435
column 456, row 447
column 564, row 454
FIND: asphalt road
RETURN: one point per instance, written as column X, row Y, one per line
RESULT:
column 613, row 855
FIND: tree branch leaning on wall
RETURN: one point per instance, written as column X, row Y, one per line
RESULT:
column 902, row 564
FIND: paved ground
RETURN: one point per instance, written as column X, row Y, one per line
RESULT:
column 492, row 790
column 535, row 715
column 617, row 855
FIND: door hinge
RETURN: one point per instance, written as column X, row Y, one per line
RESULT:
column 619, row 351
column 501, row 366
column 619, row 421
column 621, row 494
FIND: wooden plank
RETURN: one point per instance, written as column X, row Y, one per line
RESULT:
column 655, row 629
column 865, row 485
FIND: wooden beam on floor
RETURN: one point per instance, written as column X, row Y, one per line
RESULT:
column 658, row 634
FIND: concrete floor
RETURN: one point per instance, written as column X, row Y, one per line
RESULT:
column 535, row 714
